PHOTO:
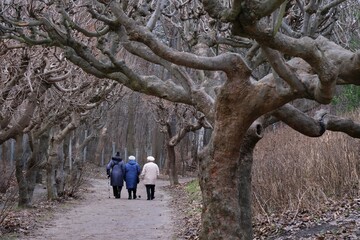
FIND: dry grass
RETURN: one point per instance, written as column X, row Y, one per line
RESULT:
column 292, row 171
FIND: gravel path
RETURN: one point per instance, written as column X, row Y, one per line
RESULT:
column 100, row 217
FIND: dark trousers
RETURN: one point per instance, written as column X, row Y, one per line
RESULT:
column 133, row 191
column 150, row 191
column 117, row 191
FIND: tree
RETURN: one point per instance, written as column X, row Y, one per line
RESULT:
column 36, row 100
column 176, row 121
column 241, row 63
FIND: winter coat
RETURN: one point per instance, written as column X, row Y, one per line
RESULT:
column 132, row 171
column 150, row 173
column 116, row 170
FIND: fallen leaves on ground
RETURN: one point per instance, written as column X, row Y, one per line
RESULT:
column 24, row 220
column 334, row 220
column 188, row 212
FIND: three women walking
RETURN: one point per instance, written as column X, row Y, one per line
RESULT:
column 118, row 171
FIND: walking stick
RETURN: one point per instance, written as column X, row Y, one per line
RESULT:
column 109, row 186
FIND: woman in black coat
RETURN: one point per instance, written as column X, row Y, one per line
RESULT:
column 115, row 170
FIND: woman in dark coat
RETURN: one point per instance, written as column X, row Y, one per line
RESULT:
column 115, row 170
column 132, row 171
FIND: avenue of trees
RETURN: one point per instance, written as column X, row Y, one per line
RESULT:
column 238, row 66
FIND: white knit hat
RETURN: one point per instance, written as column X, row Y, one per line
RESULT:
column 131, row 157
column 150, row 158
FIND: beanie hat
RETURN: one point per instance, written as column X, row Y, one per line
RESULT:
column 131, row 157
column 150, row 158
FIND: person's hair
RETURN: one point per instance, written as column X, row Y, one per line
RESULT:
column 150, row 158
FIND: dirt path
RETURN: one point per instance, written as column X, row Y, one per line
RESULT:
column 100, row 217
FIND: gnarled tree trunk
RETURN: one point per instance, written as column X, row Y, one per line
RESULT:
column 173, row 175
column 225, row 167
column 52, row 161
column 24, row 199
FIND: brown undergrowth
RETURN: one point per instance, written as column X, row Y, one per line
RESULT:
column 292, row 172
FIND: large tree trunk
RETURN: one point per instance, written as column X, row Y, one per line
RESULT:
column 219, row 181
column 173, row 176
column 31, row 171
column 5, row 164
column 157, row 147
column 225, row 168
column 130, row 133
column 253, row 135
column 235, row 206
column 76, row 171
column 43, row 153
column 53, row 159
column 101, row 146
column 24, row 199
column 26, row 174
column 51, row 164
column 60, row 171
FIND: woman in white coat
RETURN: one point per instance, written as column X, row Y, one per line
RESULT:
column 149, row 174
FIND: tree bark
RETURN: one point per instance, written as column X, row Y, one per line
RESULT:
column 60, row 170
column 101, row 145
column 224, row 168
column 130, row 134
column 52, row 161
column 51, row 164
column 173, row 176
column 32, row 169
column 4, row 165
column 253, row 135
column 24, row 199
